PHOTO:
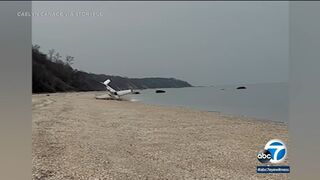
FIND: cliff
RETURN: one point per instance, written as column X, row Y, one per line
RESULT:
column 58, row 76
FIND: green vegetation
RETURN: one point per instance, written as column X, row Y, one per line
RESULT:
column 52, row 74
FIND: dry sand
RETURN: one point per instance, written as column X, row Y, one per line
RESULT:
column 75, row 136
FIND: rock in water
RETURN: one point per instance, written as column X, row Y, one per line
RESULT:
column 241, row 87
column 160, row 91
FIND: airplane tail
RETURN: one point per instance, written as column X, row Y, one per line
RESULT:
column 110, row 89
column 114, row 92
column 107, row 82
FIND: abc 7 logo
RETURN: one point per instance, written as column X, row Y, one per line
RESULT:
column 264, row 156
column 274, row 151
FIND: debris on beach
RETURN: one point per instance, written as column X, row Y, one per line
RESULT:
column 106, row 97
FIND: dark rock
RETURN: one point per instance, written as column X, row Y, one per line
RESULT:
column 160, row 91
column 241, row 87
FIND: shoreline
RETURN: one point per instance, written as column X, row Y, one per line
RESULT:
column 223, row 114
column 226, row 114
column 75, row 136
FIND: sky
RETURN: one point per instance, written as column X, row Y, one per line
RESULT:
column 204, row 43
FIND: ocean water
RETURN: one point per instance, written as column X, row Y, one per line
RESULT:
column 261, row 101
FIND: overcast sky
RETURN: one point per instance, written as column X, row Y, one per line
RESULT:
column 204, row 43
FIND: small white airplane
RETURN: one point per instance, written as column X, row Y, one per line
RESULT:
column 115, row 94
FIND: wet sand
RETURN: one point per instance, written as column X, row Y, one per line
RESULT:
column 75, row 136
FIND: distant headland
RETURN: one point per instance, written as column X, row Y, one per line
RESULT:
column 52, row 74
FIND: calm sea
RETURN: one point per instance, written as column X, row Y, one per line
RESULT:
column 262, row 101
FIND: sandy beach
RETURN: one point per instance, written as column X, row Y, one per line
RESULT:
column 75, row 136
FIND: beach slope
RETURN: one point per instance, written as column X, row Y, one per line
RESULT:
column 75, row 136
